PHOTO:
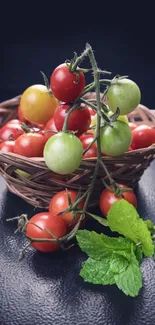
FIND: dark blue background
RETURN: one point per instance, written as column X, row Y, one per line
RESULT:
column 35, row 38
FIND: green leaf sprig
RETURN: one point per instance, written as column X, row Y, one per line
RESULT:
column 117, row 260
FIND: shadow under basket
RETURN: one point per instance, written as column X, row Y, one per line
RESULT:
column 41, row 184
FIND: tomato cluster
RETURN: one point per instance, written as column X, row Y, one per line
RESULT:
column 55, row 124
column 50, row 225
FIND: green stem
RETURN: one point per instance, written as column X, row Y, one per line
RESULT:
column 79, row 60
column 65, row 125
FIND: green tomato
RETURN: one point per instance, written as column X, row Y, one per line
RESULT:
column 115, row 138
column 63, row 153
column 122, row 118
column 125, row 94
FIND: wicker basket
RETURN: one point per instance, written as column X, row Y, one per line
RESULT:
column 39, row 188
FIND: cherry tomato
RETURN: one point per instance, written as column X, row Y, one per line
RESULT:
column 59, row 202
column 65, row 85
column 124, row 94
column 115, row 138
column 86, row 141
column 30, row 145
column 143, row 137
column 132, row 125
column 14, row 121
column 63, row 153
column 37, row 105
column 107, row 199
column 50, row 126
column 92, row 111
column 79, row 120
column 7, row 146
column 20, row 115
column 45, row 220
column 10, row 132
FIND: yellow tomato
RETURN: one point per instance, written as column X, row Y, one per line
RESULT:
column 37, row 105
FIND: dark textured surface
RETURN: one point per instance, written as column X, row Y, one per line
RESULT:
column 47, row 289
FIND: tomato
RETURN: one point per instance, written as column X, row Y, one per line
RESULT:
column 20, row 116
column 37, row 105
column 7, row 146
column 86, row 141
column 79, row 119
column 50, row 126
column 59, row 202
column 13, row 121
column 143, row 137
column 115, row 139
column 132, row 125
column 65, row 85
column 124, row 94
column 63, row 153
column 107, row 199
column 10, row 132
column 45, row 221
column 92, row 111
column 122, row 118
column 30, row 145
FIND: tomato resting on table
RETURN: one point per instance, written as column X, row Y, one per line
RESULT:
column 45, row 220
column 107, row 199
column 7, row 146
column 79, row 119
column 86, row 140
column 143, row 136
column 37, row 104
column 30, row 145
column 65, row 85
column 63, row 153
column 10, row 132
column 59, row 203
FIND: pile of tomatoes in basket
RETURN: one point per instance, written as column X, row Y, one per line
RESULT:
column 38, row 129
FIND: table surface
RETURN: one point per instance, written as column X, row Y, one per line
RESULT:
column 47, row 289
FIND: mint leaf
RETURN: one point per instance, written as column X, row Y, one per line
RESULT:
column 98, row 246
column 118, row 264
column 97, row 272
column 139, row 253
column 130, row 281
column 150, row 225
column 124, row 219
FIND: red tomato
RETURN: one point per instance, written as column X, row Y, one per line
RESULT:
column 45, row 221
column 92, row 111
column 10, row 132
column 14, row 121
column 130, row 149
column 59, row 202
column 30, row 145
column 107, row 199
column 143, row 137
column 65, row 85
column 86, row 141
column 7, row 146
column 79, row 120
column 132, row 125
column 50, row 126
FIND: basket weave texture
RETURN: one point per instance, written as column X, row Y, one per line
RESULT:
column 40, row 187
